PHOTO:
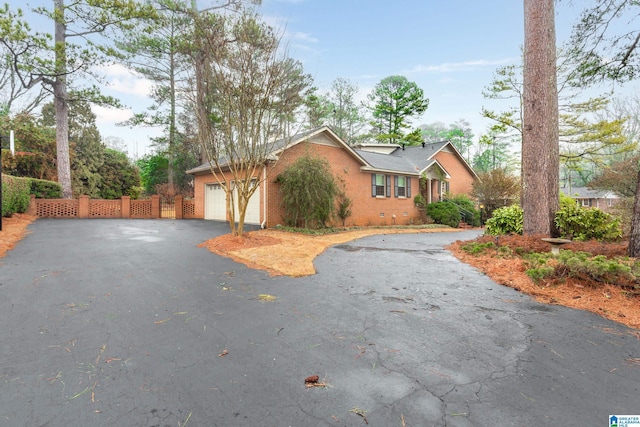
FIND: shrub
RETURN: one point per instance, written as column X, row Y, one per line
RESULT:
column 344, row 207
column 507, row 220
column 596, row 267
column 468, row 208
column 540, row 273
column 575, row 222
column 44, row 189
column 308, row 192
column 475, row 248
column 445, row 213
column 15, row 195
column 419, row 201
column 135, row 192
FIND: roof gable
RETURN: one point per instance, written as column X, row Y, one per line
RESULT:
column 322, row 135
column 412, row 159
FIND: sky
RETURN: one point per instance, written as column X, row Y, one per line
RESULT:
column 449, row 48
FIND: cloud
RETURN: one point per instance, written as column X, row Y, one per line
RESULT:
column 109, row 116
column 449, row 67
column 302, row 37
column 122, row 80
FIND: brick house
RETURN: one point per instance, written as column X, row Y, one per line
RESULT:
column 380, row 179
column 606, row 201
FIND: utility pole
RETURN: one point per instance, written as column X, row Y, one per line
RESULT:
column 12, row 148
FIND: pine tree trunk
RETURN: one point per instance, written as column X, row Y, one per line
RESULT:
column 634, row 240
column 60, row 102
column 540, row 146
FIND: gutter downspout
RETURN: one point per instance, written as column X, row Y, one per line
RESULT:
column 264, row 202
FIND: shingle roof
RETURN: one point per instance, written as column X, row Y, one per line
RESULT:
column 408, row 160
column 275, row 146
column 388, row 162
column 588, row 193
column 411, row 160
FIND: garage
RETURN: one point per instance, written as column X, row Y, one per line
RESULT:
column 252, row 216
column 215, row 202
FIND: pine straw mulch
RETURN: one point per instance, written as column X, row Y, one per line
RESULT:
column 607, row 300
column 14, row 229
column 283, row 253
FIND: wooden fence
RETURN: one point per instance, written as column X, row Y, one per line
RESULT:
column 84, row 207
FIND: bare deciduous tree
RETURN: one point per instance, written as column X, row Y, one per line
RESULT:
column 247, row 94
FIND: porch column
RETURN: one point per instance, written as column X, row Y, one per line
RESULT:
column 429, row 190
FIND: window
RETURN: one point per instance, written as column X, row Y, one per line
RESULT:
column 380, row 185
column 586, row 203
column 444, row 188
column 402, row 186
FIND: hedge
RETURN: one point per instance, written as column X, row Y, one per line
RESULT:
column 15, row 195
column 44, row 189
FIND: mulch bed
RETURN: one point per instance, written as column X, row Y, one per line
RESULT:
column 605, row 299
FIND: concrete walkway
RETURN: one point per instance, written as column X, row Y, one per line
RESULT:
column 129, row 323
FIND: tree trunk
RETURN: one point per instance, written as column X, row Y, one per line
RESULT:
column 634, row 240
column 540, row 146
column 172, row 117
column 61, row 105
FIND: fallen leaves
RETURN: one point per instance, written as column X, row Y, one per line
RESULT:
column 224, row 353
column 313, row 381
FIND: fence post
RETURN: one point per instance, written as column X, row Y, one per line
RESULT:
column 177, row 203
column 33, row 209
column 155, row 206
column 83, row 206
column 125, row 206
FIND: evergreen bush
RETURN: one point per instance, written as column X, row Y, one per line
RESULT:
column 15, row 195
column 507, row 220
column 308, row 192
column 577, row 223
column 445, row 213
column 468, row 208
column 43, row 189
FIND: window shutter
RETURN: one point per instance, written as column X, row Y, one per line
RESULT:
column 388, row 192
column 373, row 185
column 408, row 186
column 395, row 188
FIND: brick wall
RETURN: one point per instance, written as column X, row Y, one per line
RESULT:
column 461, row 178
column 365, row 210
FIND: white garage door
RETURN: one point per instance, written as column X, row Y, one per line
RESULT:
column 215, row 202
column 252, row 216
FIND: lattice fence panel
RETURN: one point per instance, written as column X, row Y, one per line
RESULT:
column 188, row 209
column 141, row 209
column 105, row 209
column 56, row 208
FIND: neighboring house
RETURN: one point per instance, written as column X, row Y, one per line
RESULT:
column 380, row 179
column 588, row 198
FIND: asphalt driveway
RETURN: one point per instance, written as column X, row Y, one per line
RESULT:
column 129, row 323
